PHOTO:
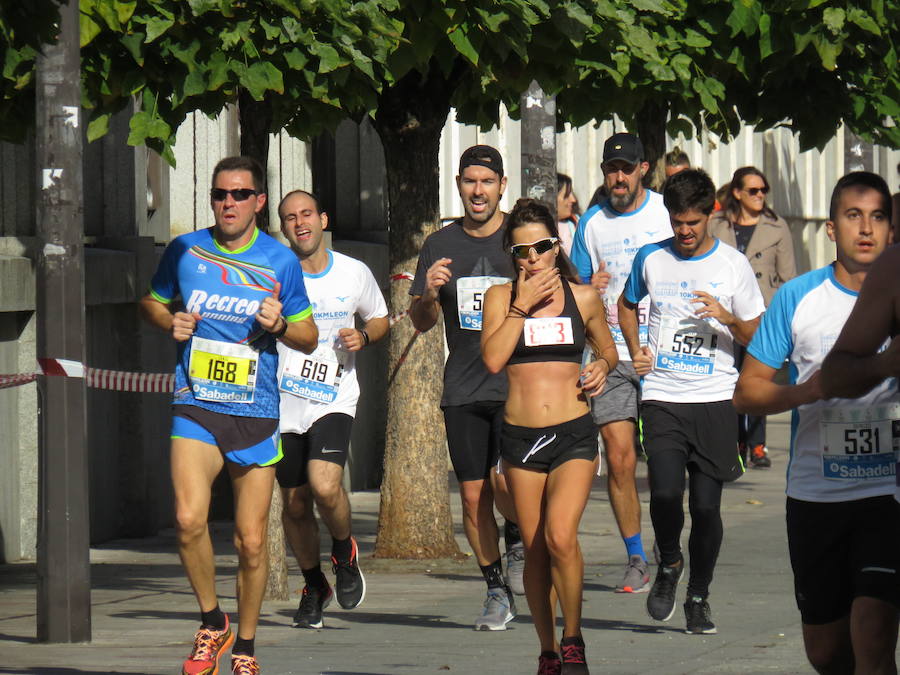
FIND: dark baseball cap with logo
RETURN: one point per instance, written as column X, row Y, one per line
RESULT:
column 482, row 155
column 625, row 147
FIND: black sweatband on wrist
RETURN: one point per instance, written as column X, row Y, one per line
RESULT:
column 365, row 336
column 280, row 333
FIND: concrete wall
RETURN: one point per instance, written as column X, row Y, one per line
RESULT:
column 129, row 486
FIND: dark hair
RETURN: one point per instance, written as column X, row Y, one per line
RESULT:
column 689, row 189
column 311, row 195
column 243, row 163
column 863, row 179
column 732, row 206
column 527, row 211
column 565, row 182
column 677, row 158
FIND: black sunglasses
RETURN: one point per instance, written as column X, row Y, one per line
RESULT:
column 540, row 247
column 238, row 195
column 755, row 191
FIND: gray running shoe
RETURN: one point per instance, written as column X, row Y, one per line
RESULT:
column 661, row 599
column 637, row 576
column 515, row 568
column 499, row 610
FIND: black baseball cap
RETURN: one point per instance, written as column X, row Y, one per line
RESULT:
column 482, row 155
column 623, row 146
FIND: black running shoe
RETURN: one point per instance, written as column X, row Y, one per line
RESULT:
column 349, row 583
column 549, row 664
column 661, row 599
column 573, row 661
column 696, row 613
column 313, row 601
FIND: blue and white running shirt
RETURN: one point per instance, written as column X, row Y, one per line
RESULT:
column 229, row 364
column 841, row 449
column 607, row 236
column 693, row 358
column 324, row 382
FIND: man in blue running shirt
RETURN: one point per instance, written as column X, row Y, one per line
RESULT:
column 241, row 292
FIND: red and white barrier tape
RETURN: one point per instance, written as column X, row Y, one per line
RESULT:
column 97, row 378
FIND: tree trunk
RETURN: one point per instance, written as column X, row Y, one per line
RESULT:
column 277, row 582
column 651, row 129
column 414, row 520
column 255, row 120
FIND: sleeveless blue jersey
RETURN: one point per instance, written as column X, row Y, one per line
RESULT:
column 227, row 289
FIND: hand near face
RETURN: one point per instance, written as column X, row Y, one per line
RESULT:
column 532, row 291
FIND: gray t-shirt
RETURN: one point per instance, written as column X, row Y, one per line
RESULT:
column 478, row 263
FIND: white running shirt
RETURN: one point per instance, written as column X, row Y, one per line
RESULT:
column 693, row 359
column 324, row 382
column 841, row 449
column 605, row 235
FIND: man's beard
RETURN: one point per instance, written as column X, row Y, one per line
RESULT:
column 621, row 203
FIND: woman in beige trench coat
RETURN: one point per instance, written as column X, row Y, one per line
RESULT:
column 751, row 226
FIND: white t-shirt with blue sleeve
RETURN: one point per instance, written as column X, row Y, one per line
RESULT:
column 841, row 449
column 693, row 358
column 607, row 236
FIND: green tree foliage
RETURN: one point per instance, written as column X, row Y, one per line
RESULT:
column 805, row 64
column 24, row 27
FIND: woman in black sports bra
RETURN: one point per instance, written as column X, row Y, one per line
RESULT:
column 536, row 328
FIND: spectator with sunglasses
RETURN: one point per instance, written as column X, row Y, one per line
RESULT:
column 536, row 329
column 747, row 223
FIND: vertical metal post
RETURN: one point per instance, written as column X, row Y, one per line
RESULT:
column 857, row 153
column 539, row 145
column 63, row 565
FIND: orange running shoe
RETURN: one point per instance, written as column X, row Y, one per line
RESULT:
column 759, row 457
column 208, row 647
column 241, row 664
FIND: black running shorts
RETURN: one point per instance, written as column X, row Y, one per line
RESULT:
column 473, row 438
column 328, row 440
column 843, row 550
column 706, row 433
column 545, row 448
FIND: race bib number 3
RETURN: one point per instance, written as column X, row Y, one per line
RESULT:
column 860, row 443
column 686, row 348
column 316, row 376
column 222, row 371
column 470, row 299
column 556, row 330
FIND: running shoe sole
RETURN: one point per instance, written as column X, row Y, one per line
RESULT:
column 708, row 631
column 362, row 579
column 321, row 622
column 509, row 617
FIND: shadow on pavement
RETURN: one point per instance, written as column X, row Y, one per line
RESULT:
column 412, row 620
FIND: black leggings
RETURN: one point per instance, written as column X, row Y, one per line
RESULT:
column 666, row 472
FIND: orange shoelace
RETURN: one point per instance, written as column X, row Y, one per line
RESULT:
column 241, row 664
